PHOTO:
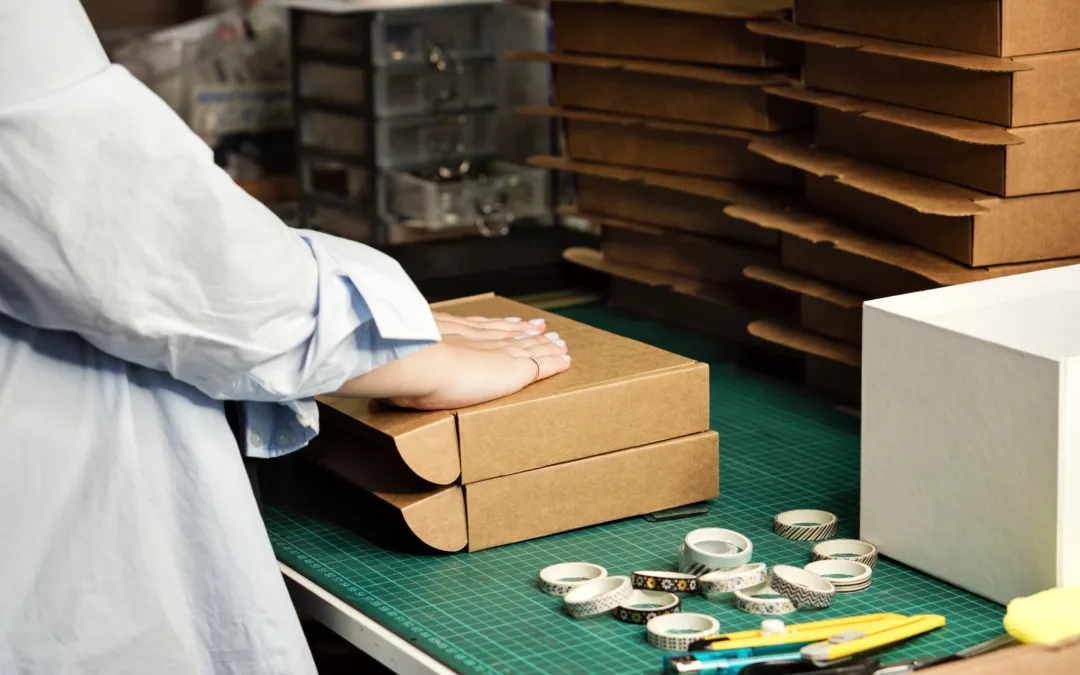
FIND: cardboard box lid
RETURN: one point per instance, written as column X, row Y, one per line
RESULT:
column 804, row 285
column 628, row 121
column 786, row 30
column 806, row 342
column 925, row 195
column 724, row 76
column 720, row 190
column 471, row 443
column 736, row 9
column 819, row 229
column 1056, row 659
column 954, row 128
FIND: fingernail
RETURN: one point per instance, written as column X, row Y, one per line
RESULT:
column 513, row 319
column 565, row 357
column 520, row 337
column 531, row 333
column 561, row 343
column 552, row 336
column 537, row 322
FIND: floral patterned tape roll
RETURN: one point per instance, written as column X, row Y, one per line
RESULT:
column 672, row 582
column 643, row 606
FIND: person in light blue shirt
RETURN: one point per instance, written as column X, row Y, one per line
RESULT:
column 141, row 289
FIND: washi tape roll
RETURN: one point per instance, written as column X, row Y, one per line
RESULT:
column 558, row 580
column 643, row 606
column 805, row 525
column 803, row 588
column 722, row 584
column 597, row 596
column 672, row 582
column 847, row 576
column 847, row 549
column 763, row 600
column 713, row 548
column 676, row 632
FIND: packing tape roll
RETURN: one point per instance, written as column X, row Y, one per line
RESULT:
column 676, row 632
column 672, row 582
column 753, row 601
column 643, row 606
column 597, row 597
column 713, row 548
column 723, row 583
column 846, row 549
column 558, row 580
column 847, row 576
column 805, row 525
column 802, row 587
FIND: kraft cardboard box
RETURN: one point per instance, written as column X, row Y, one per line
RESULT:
column 619, row 394
column 712, row 152
column 686, row 203
column 682, row 255
column 524, row 505
column 870, row 265
column 710, row 32
column 671, row 91
column 991, row 27
column 823, row 309
column 1007, row 163
column 1061, row 658
column 1012, row 92
column 829, row 365
column 971, row 227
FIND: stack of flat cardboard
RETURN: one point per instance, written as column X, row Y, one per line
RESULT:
column 624, row 432
column 659, row 102
column 946, row 150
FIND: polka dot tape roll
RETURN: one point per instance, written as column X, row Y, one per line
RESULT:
column 723, row 583
column 676, row 632
column 597, row 597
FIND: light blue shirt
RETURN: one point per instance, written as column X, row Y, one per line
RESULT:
column 139, row 289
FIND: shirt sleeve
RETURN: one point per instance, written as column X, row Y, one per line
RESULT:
column 118, row 226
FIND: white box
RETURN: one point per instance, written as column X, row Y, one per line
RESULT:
column 971, row 432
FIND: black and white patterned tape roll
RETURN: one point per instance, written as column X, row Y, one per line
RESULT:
column 722, row 584
column 644, row 606
column 713, row 548
column 805, row 525
column 676, row 632
column 672, row 582
column 847, row 549
column 803, row 588
column 558, row 580
column 847, row 576
column 763, row 600
column 597, row 597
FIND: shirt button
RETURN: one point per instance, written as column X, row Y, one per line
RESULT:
column 284, row 437
column 256, row 439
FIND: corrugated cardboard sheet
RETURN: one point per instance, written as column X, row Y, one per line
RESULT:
column 712, row 152
column 1012, row 92
column 694, row 32
column 991, row 27
column 671, row 91
column 823, row 309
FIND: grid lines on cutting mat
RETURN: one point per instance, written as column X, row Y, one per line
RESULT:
column 781, row 449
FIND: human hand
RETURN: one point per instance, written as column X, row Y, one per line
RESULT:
column 483, row 328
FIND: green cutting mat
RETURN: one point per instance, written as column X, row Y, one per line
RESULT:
column 780, row 448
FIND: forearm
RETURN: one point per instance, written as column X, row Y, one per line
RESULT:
column 418, row 375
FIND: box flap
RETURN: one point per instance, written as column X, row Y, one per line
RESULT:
column 593, row 259
column 945, row 57
column 924, row 195
column 682, row 127
column 955, row 128
column 724, row 191
column 436, row 515
column 819, row 229
column 737, row 9
column 806, row 342
column 803, row 285
column 726, row 76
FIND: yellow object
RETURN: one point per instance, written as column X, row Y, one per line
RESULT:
column 886, row 634
column 805, row 632
column 1044, row 618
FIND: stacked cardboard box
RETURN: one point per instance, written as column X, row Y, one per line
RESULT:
column 659, row 103
column 946, row 150
column 624, row 432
